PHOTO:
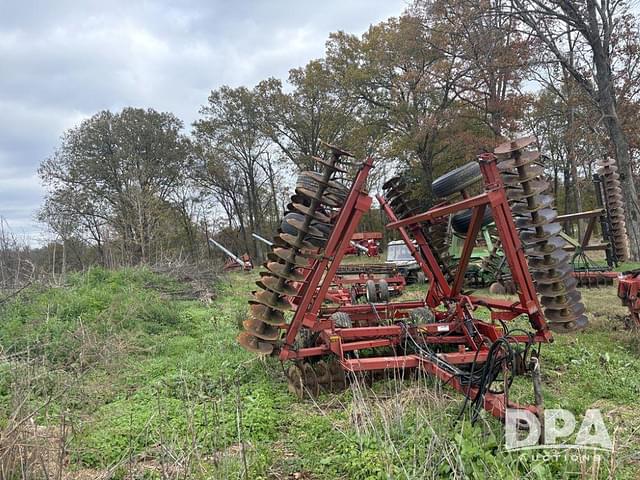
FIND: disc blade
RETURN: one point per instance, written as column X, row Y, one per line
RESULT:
column 564, row 315
column 261, row 330
column 531, row 171
column 512, row 164
column 329, row 164
column 267, row 315
column 292, row 241
column 557, row 303
column 543, row 249
column 313, row 194
column 277, row 284
column 307, row 230
column 288, row 255
column 253, row 344
column 272, row 300
column 552, row 276
column 337, row 151
column 315, row 214
column 517, row 144
column 529, row 237
column 285, row 271
column 319, row 177
column 535, row 187
column 557, row 289
column 578, row 324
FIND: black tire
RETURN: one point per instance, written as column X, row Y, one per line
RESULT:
column 456, row 180
column 341, row 320
column 460, row 221
column 306, row 181
column 421, row 278
column 323, row 227
column 383, row 293
column 372, row 294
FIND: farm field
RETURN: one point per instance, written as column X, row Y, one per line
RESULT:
column 126, row 374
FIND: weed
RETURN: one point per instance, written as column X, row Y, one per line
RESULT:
column 153, row 385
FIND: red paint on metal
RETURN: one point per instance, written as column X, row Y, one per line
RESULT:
column 377, row 326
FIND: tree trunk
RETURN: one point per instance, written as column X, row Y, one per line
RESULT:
column 426, row 162
column 620, row 143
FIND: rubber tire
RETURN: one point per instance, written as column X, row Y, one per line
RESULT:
column 456, row 180
column 421, row 278
column 323, row 227
column 341, row 320
column 372, row 294
column 310, row 183
column 383, row 290
column 286, row 228
column 460, row 221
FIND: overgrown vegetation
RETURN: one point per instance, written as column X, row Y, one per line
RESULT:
column 113, row 376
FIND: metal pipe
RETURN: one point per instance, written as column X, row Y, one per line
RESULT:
column 238, row 260
column 362, row 248
column 262, row 239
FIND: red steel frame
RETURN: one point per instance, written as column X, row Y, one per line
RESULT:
column 455, row 325
column 629, row 293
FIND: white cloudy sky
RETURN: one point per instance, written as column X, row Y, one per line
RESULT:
column 63, row 60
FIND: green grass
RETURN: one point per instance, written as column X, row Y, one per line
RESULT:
column 148, row 386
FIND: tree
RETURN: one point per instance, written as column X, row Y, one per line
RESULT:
column 405, row 84
column 493, row 56
column 234, row 161
column 313, row 111
column 116, row 172
column 596, row 23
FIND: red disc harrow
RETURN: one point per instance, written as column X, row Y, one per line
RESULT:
column 441, row 333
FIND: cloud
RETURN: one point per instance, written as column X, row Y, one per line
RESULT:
column 63, row 61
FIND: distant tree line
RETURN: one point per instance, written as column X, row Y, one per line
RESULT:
column 422, row 93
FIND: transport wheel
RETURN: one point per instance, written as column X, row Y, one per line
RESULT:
column 421, row 279
column 372, row 294
column 383, row 291
column 460, row 221
column 342, row 320
column 456, row 180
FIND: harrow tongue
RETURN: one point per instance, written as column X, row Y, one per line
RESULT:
column 542, row 244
